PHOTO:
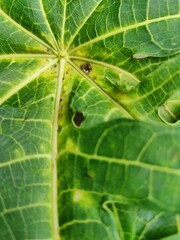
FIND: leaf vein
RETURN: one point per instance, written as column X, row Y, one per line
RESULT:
column 123, row 29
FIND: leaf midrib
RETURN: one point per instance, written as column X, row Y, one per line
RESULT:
column 12, row 56
column 82, row 24
column 107, row 65
column 49, row 27
column 124, row 161
column 27, row 81
column 124, row 29
column 54, row 156
column 25, row 31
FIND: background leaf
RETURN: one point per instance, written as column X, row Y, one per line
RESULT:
column 89, row 119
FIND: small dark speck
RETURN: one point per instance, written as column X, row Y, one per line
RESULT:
column 78, row 119
column 25, row 119
column 88, row 175
column 86, row 67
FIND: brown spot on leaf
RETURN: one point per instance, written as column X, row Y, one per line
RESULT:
column 86, row 67
column 88, row 175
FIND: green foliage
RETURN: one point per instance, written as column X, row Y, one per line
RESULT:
column 89, row 120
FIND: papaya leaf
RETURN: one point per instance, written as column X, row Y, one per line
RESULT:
column 89, row 120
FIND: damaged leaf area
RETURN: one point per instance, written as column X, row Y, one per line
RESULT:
column 89, row 120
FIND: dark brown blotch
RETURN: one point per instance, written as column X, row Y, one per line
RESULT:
column 78, row 118
column 86, row 67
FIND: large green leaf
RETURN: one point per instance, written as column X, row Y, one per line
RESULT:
column 89, row 119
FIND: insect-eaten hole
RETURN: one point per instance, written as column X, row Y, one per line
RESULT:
column 78, row 118
column 86, row 67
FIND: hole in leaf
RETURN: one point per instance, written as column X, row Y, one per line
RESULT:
column 78, row 118
column 86, row 67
